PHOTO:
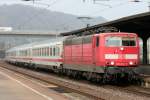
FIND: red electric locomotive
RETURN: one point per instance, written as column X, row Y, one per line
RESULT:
column 102, row 55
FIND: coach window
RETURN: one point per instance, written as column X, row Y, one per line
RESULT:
column 23, row 53
column 45, row 51
column 97, row 41
column 27, row 52
column 54, row 51
column 34, row 52
column 38, row 51
column 49, row 51
column 58, row 51
column 42, row 51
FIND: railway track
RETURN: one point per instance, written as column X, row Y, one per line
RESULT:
column 104, row 92
column 132, row 89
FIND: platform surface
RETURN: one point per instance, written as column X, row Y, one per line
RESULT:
column 143, row 69
column 12, row 88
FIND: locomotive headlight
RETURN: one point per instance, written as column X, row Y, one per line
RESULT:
column 131, row 63
column 112, row 62
column 122, row 48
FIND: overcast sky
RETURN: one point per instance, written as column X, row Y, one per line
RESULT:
column 110, row 9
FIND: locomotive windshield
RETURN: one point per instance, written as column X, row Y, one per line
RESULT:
column 120, row 41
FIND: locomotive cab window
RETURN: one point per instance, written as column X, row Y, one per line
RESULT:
column 128, row 41
column 113, row 41
column 120, row 41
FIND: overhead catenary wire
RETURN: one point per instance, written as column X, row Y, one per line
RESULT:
column 112, row 6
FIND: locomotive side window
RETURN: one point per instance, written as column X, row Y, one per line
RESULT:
column 97, row 41
column 87, row 39
column 76, row 41
column 68, row 42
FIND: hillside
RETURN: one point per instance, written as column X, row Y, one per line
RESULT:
column 22, row 17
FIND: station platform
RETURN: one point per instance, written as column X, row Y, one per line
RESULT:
column 144, row 71
column 12, row 87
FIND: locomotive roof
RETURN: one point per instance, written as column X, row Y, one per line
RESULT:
column 74, row 36
column 39, row 43
column 117, row 33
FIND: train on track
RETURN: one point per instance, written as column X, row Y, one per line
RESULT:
column 100, row 57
